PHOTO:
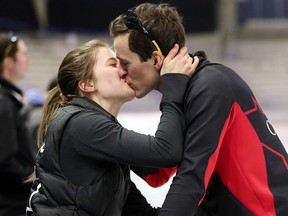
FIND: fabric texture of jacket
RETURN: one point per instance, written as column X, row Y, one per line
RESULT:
column 17, row 155
column 234, row 163
column 83, row 166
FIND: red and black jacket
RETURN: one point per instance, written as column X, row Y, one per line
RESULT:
column 234, row 163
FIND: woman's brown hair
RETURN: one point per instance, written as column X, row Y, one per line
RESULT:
column 8, row 47
column 76, row 66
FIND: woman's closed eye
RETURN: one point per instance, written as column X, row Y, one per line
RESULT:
column 113, row 62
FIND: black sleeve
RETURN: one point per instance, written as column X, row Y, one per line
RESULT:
column 137, row 205
column 207, row 107
column 143, row 171
column 106, row 140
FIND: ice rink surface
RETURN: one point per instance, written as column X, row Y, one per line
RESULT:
column 147, row 122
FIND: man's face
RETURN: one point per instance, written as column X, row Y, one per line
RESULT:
column 141, row 76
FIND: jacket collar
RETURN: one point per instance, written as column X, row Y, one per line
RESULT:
column 89, row 104
column 203, row 60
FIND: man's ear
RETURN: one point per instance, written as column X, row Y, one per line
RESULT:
column 158, row 59
column 86, row 86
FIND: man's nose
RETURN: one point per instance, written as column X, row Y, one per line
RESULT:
column 122, row 72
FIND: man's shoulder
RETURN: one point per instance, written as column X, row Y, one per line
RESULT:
column 6, row 101
column 10, row 97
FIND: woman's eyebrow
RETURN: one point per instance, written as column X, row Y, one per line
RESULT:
column 112, row 59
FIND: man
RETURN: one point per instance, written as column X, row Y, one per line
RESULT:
column 234, row 162
column 16, row 153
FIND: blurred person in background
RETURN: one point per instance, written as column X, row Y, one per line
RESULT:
column 17, row 155
column 234, row 162
column 83, row 165
column 32, row 111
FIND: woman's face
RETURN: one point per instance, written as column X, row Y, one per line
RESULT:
column 108, row 84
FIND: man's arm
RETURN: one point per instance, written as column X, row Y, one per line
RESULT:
column 176, row 61
column 207, row 111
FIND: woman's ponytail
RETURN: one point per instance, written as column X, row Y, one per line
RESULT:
column 54, row 101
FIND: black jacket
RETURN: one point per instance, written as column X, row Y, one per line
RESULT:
column 17, row 155
column 234, row 163
column 83, row 167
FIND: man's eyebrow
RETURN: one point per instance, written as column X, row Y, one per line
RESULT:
column 121, row 59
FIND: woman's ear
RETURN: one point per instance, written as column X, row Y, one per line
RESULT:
column 86, row 86
column 158, row 59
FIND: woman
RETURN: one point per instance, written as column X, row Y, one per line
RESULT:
column 82, row 167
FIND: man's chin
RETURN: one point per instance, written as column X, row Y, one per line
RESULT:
column 139, row 94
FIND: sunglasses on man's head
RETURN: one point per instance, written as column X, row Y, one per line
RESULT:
column 132, row 21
